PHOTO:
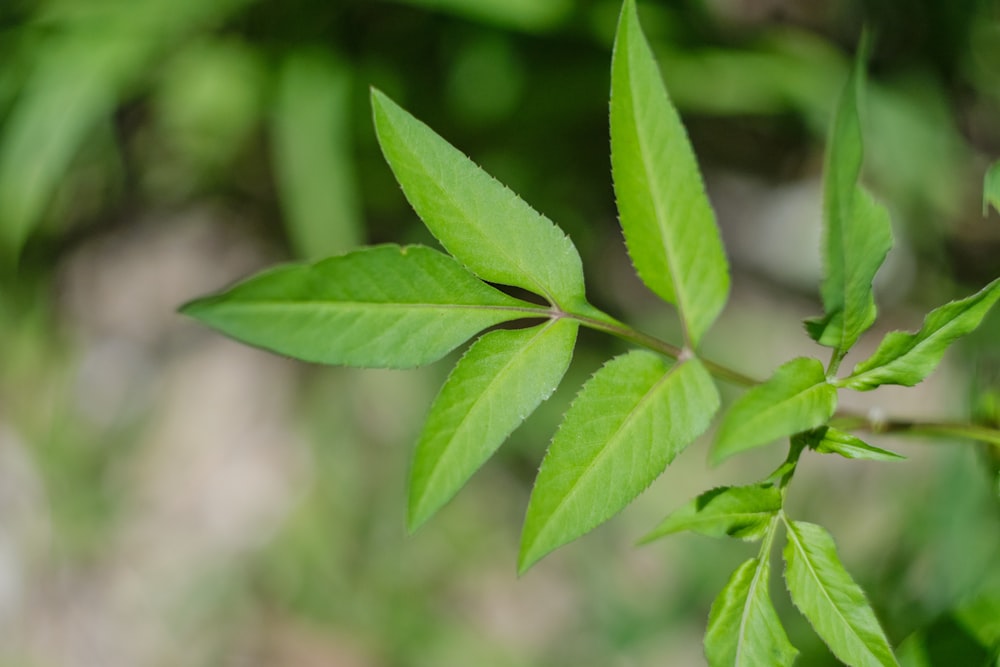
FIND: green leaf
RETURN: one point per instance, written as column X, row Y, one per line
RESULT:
column 827, row 596
column 733, row 511
column 484, row 225
column 503, row 377
column 991, row 188
column 628, row 422
column 386, row 306
column 857, row 234
column 312, row 155
column 853, row 447
column 796, row 398
column 743, row 628
column 907, row 358
column 668, row 223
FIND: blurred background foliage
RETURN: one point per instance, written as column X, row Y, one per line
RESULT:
column 167, row 497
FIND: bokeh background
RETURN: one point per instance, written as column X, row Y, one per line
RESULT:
column 169, row 497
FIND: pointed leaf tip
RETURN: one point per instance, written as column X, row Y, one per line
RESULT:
column 380, row 307
column 499, row 381
column 668, row 223
column 905, row 358
column 625, row 426
column 829, row 598
column 484, row 225
column 857, row 234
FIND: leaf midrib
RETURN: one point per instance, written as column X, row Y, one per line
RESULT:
column 800, row 547
column 603, row 452
column 658, row 206
column 538, row 337
column 763, row 414
column 448, row 195
column 376, row 305
column 747, row 607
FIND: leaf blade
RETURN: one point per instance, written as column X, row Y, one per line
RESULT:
column 827, row 596
column 796, row 398
column 728, row 511
column 743, row 627
column 665, row 215
column 626, row 425
column 853, row 447
column 502, row 378
column 907, row 358
column 383, row 307
column 478, row 220
column 857, row 234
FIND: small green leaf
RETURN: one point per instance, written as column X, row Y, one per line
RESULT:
column 386, row 306
column 484, row 225
column 629, row 421
column 503, row 377
column 796, row 398
column 743, row 628
column 907, row 358
column 827, row 596
column 853, row 447
column 312, row 155
column 733, row 511
column 668, row 223
column 991, row 188
column 857, row 234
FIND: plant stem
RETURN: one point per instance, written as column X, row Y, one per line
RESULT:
column 602, row 322
column 595, row 319
column 856, row 422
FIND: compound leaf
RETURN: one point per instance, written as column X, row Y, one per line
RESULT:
column 743, row 628
column 907, row 358
column 386, row 306
column 733, row 511
column 796, row 398
column 827, row 596
column 628, row 422
column 502, row 378
column 477, row 219
column 853, row 447
column 857, row 234
column 668, row 223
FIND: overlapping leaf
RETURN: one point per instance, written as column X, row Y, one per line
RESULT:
column 384, row 306
column 628, row 422
column 484, row 225
column 907, row 358
column 852, row 447
column 734, row 511
column 826, row 595
column 494, row 387
column 743, row 627
column 796, row 398
column 857, row 234
column 668, row 223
